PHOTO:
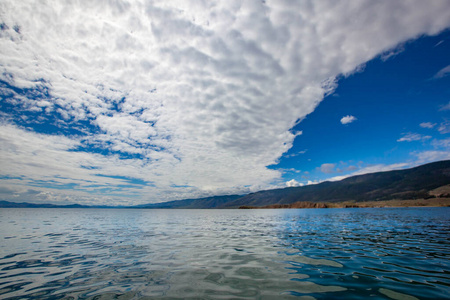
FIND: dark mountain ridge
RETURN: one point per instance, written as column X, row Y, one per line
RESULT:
column 411, row 183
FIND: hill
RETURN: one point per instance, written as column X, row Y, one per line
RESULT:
column 414, row 183
column 209, row 202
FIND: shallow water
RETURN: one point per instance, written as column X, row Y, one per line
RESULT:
column 379, row 253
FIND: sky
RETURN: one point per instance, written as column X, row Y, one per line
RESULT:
column 131, row 102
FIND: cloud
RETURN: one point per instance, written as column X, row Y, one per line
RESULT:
column 431, row 156
column 293, row 183
column 442, row 73
column 327, row 168
column 6, row 190
column 351, row 168
column 348, row 119
column 296, row 154
column 444, row 127
column 413, row 137
column 372, row 169
column 441, row 152
column 290, row 170
column 445, row 107
column 198, row 95
column 445, row 143
column 428, row 125
column 310, row 182
column 392, row 53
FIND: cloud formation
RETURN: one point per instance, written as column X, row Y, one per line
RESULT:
column 413, row 137
column 372, row 169
column 445, row 107
column 293, row 183
column 191, row 98
column 327, row 168
column 444, row 127
column 348, row 119
column 442, row 73
column 428, row 125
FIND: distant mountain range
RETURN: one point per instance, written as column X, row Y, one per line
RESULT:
column 420, row 182
column 209, row 202
column 6, row 204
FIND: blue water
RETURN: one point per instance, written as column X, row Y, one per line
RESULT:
column 379, row 253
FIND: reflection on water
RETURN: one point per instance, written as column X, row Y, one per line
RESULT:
column 221, row 254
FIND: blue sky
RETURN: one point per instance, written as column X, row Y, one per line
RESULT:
column 132, row 102
column 401, row 116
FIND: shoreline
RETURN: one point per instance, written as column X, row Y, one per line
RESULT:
column 432, row 202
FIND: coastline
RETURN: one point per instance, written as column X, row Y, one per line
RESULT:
column 432, row 202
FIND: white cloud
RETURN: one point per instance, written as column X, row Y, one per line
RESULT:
column 327, row 168
column 205, row 92
column 289, row 170
column 442, row 73
column 445, row 143
column 296, row 154
column 428, row 125
column 413, row 137
column 441, row 152
column 431, row 156
column 348, row 119
column 372, row 169
column 47, row 162
column 445, row 107
column 293, row 183
column 310, row 182
column 392, row 53
column 444, row 127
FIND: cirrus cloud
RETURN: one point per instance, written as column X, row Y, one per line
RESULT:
column 442, row 73
column 413, row 137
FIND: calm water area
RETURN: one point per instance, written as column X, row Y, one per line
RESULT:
column 376, row 253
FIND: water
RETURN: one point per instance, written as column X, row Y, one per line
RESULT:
column 221, row 254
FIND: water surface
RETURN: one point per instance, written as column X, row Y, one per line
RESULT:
column 384, row 253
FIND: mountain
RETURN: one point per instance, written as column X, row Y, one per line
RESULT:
column 209, row 202
column 201, row 203
column 6, row 204
column 414, row 183
column 422, row 182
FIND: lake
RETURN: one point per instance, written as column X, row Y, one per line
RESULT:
column 376, row 253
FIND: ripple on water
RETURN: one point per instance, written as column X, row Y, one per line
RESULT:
column 179, row 254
